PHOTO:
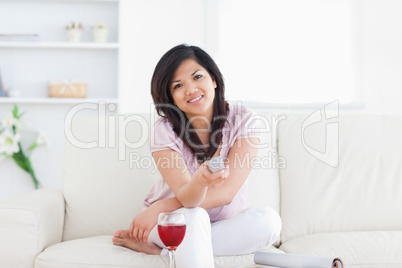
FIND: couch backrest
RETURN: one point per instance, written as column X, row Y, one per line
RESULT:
column 103, row 193
column 360, row 192
column 263, row 181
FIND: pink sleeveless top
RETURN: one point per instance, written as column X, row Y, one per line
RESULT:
column 241, row 123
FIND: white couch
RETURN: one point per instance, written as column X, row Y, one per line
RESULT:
column 352, row 211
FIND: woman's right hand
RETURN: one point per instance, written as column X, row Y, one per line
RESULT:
column 204, row 176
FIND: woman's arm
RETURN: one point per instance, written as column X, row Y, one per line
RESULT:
column 239, row 161
column 190, row 191
column 207, row 189
column 175, row 173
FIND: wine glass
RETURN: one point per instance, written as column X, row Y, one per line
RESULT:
column 171, row 229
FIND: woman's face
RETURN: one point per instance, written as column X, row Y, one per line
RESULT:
column 193, row 89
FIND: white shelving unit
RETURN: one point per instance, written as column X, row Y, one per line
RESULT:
column 28, row 66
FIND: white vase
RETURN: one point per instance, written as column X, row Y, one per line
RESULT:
column 74, row 35
column 14, row 180
column 100, row 34
column 14, row 93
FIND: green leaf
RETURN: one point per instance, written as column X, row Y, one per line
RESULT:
column 33, row 146
column 20, row 160
column 16, row 114
column 15, row 111
column 21, row 114
column 24, row 163
column 30, row 170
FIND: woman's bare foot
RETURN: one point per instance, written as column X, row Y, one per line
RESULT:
column 122, row 238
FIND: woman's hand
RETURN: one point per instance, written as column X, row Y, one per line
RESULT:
column 192, row 193
column 143, row 223
column 190, row 190
column 208, row 179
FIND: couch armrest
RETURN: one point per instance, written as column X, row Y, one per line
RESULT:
column 28, row 224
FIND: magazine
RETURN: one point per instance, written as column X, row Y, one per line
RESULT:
column 264, row 259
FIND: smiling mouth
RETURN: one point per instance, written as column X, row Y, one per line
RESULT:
column 196, row 99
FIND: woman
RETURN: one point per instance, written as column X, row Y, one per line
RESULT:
column 198, row 124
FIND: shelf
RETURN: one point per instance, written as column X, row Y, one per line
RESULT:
column 29, row 65
column 55, row 100
column 34, row 44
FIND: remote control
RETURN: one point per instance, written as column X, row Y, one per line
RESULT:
column 216, row 164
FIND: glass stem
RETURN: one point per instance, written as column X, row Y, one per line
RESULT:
column 172, row 259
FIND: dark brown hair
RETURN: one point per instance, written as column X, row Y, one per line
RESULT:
column 164, row 104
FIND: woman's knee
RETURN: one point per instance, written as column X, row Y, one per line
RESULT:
column 267, row 222
column 195, row 214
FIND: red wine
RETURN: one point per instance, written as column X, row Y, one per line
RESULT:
column 171, row 234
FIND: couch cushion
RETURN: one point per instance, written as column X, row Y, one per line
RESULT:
column 356, row 249
column 360, row 192
column 99, row 252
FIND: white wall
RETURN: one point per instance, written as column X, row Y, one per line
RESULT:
column 381, row 43
column 148, row 29
column 377, row 51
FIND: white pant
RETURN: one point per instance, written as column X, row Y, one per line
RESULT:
column 251, row 230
